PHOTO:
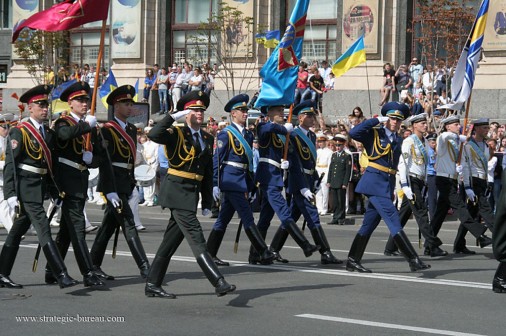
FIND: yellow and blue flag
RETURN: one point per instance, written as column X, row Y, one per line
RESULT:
column 109, row 85
column 354, row 56
column 136, row 97
column 57, row 105
column 270, row 39
column 463, row 78
column 279, row 73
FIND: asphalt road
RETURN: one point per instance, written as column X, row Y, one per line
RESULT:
column 303, row 297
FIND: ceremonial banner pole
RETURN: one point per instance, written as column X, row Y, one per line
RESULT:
column 368, row 88
column 287, row 142
column 464, row 128
column 97, row 69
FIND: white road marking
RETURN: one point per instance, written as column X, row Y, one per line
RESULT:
column 386, row 325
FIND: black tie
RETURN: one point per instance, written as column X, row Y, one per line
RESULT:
column 197, row 142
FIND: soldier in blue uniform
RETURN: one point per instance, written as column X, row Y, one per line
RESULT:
column 383, row 149
column 270, row 171
column 303, row 179
column 233, row 179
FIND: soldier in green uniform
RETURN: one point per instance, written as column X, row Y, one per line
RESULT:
column 338, row 179
column 116, row 181
column 75, row 140
column 28, row 173
column 190, row 153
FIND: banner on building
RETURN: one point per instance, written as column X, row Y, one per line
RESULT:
column 236, row 32
column 21, row 10
column 126, row 29
column 495, row 30
column 361, row 17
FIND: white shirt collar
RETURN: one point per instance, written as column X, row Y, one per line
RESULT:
column 121, row 123
column 195, row 131
column 75, row 116
column 305, row 131
column 239, row 127
column 35, row 123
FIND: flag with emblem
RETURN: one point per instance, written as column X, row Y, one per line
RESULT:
column 65, row 15
column 109, row 85
column 58, row 105
column 463, row 78
column 279, row 73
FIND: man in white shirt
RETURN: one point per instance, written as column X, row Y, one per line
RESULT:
column 323, row 155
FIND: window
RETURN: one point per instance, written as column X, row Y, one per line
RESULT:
column 319, row 43
column 6, row 14
column 186, row 47
column 193, row 11
column 84, row 48
column 318, row 10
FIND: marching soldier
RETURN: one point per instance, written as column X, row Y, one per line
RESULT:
column 5, row 212
column 28, row 168
column 447, row 176
column 476, row 155
column 74, row 154
column 413, row 173
column 303, row 179
column 338, row 179
column 499, row 237
column 233, row 177
column 117, row 182
column 270, row 171
column 190, row 154
column 383, row 148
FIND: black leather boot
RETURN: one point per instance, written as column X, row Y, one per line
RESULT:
column 254, row 257
column 62, row 243
column 355, row 255
column 139, row 255
column 436, row 251
column 300, row 239
column 499, row 283
column 57, row 266
column 320, row 239
column 407, row 249
column 214, row 275
column 7, row 258
column 484, row 240
column 266, row 256
column 277, row 243
column 101, row 274
column 155, row 278
column 213, row 245
column 83, row 259
column 390, row 248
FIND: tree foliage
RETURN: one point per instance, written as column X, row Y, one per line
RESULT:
column 37, row 49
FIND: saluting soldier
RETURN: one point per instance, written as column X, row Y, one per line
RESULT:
column 413, row 175
column 27, row 175
column 475, row 168
column 190, row 153
column 74, row 154
column 270, row 171
column 383, row 148
column 338, row 179
column 303, row 179
column 117, row 182
column 447, row 175
column 233, row 179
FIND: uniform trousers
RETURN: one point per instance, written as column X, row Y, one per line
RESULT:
column 5, row 212
column 322, row 199
column 300, row 205
column 380, row 207
column 339, row 197
column 431, row 195
column 273, row 202
column 32, row 213
column 233, row 201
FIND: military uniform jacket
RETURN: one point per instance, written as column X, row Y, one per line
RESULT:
column 227, row 176
column 113, row 178
column 339, row 170
column 448, row 145
column 301, row 173
column 23, row 148
column 179, row 192
column 414, row 159
column 70, row 141
column 475, row 163
column 3, row 147
column 270, row 147
column 381, row 151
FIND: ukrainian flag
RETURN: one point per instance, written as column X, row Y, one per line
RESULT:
column 269, row 39
column 353, row 57
column 463, row 78
column 279, row 73
column 109, row 85
column 58, row 105
column 136, row 97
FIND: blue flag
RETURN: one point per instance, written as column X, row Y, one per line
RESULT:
column 279, row 73
column 109, row 85
column 60, row 88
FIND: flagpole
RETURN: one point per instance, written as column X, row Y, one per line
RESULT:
column 368, row 88
column 468, row 105
column 97, row 68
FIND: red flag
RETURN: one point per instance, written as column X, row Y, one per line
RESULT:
column 65, row 15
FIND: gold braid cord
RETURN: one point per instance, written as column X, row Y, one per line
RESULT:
column 304, row 152
column 33, row 151
column 123, row 150
column 190, row 155
column 75, row 142
column 417, row 159
column 231, row 143
column 382, row 151
column 476, row 159
column 451, row 151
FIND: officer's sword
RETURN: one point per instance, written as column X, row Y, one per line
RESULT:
column 37, row 253
column 318, row 184
column 239, row 228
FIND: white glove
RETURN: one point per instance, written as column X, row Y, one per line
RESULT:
column 289, row 127
column 408, row 192
column 206, row 212
column 470, row 194
column 180, row 114
column 114, row 199
column 252, row 197
column 216, row 193
column 92, row 120
column 462, row 138
column 458, row 168
column 285, row 164
column 12, row 202
column 307, row 194
column 87, row 157
column 382, row 119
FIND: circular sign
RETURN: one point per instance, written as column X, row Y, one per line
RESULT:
column 28, row 5
column 129, row 3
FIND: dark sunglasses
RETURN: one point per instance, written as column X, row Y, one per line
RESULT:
column 42, row 104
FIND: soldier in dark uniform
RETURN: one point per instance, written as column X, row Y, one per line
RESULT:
column 499, row 241
column 270, row 171
column 233, row 176
column 338, row 179
column 383, row 148
column 27, row 176
column 190, row 153
column 73, row 157
column 116, row 181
